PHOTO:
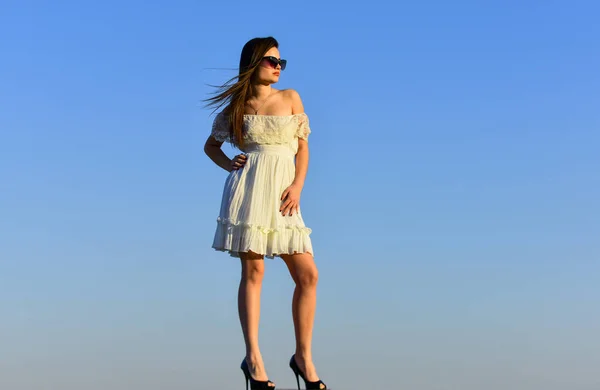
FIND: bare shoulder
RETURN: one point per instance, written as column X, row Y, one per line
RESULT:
column 290, row 93
column 294, row 99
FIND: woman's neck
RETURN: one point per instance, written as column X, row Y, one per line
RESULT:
column 261, row 91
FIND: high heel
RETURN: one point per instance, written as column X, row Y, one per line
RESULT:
column 254, row 384
column 316, row 385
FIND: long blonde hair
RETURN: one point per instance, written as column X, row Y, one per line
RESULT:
column 237, row 90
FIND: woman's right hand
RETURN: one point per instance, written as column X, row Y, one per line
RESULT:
column 238, row 162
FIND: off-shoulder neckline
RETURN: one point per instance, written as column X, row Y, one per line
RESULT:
column 274, row 116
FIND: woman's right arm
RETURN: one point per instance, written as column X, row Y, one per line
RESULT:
column 213, row 150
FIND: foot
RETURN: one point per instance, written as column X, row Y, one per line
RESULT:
column 257, row 368
column 307, row 367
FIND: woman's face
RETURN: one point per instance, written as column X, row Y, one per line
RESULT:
column 268, row 70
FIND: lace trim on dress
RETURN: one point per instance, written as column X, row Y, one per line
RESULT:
column 303, row 129
column 267, row 129
column 220, row 130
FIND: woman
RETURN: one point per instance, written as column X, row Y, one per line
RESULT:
column 260, row 212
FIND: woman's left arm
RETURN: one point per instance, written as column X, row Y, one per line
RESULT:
column 291, row 196
column 301, row 163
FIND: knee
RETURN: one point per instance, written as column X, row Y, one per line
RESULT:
column 253, row 273
column 308, row 278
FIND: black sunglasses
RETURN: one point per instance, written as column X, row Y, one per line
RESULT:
column 274, row 61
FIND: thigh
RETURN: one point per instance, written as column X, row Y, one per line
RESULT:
column 252, row 262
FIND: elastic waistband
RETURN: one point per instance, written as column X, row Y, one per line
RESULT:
column 279, row 150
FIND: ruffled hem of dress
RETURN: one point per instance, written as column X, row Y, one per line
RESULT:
column 263, row 229
column 236, row 237
column 236, row 254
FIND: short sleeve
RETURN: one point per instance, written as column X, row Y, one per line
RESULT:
column 303, row 129
column 220, row 130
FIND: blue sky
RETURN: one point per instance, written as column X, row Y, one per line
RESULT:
column 452, row 190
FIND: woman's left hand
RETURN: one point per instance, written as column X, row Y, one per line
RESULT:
column 291, row 200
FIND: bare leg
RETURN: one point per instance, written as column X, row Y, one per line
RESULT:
column 253, row 269
column 304, row 272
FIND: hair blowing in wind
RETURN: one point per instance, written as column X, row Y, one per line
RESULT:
column 236, row 91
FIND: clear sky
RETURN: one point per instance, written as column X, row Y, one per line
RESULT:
column 453, row 191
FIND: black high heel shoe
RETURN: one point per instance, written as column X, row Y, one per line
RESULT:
column 316, row 385
column 254, row 384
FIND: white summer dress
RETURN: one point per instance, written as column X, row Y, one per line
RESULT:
column 249, row 218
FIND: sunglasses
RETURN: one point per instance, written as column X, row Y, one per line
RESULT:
column 274, row 61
